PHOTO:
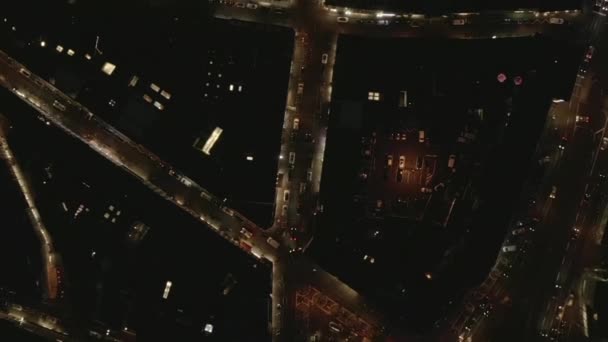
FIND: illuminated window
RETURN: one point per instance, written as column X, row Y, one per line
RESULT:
column 133, row 81
column 165, row 94
column 108, row 68
column 373, row 96
column 159, row 105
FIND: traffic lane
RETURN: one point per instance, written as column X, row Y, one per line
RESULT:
column 558, row 225
column 301, row 141
column 262, row 15
column 530, row 292
column 453, row 32
column 560, row 110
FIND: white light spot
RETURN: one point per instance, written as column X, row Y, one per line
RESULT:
column 159, row 105
column 108, row 68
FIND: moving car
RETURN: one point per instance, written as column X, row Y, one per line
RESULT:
column 246, row 233
column 562, row 144
column 556, row 21
column 553, row 193
column 458, row 22
column 273, row 242
column 25, row 72
column 296, row 124
column 59, row 105
column 342, row 19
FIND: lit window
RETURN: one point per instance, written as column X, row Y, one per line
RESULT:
column 154, row 87
column 231, row 87
column 240, row 88
column 87, row 56
column 147, row 98
column 165, row 94
column 373, row 96
column 159, row 105
column 108, row 68
column 43, row 43
column 133, row 81
column 59, row 48
column 71, row 52
column 167, row 289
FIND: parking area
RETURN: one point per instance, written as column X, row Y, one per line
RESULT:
column 327, row 320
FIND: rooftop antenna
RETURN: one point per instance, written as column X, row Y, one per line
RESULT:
column 97, row 46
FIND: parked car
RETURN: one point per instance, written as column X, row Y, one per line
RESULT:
column 324, row 58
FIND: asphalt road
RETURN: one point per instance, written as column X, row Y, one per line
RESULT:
column 304, row 135
column 50, row 261
column 499, row 24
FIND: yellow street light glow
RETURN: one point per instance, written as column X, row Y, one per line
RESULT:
column 212, row 140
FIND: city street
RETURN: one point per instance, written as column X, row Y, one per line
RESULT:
column 163, row 179
column 50, row 262
column 499, row 24
column 301, row 160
